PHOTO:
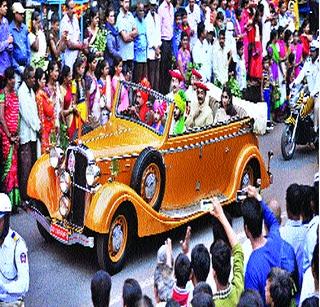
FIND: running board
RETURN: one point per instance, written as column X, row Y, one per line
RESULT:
column 192, row 209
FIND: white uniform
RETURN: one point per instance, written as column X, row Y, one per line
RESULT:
column 14, row 268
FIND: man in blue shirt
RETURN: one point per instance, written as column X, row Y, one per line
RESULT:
column 140, row 46
column 5, row 39
column 21, row 48
column 268, row 252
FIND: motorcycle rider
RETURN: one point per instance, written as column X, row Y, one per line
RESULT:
column 14, row 267
column 311, row 72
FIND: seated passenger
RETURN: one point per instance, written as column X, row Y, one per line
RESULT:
column 159, row 109
column 202, row 115
column 178, row 121
column 226, row 109
column 176, row 79
column 140, row 109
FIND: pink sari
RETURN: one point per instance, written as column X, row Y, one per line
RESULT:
column 124, row 96
column 297, row 51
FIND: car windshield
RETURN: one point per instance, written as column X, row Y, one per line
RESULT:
column 142, row 105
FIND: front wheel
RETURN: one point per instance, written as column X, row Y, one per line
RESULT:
column 113, row 247
column 288, row 143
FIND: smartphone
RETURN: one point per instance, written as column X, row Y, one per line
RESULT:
column 206, row 205
column 241, row 195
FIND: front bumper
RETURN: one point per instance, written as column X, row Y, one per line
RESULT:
column 62, row 231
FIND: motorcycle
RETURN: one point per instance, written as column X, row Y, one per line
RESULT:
column 298, row 128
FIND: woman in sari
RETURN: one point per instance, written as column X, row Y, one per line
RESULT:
column 9, row 126
column 45, row 109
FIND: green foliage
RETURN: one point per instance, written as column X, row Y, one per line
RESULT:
column 100, row 41
column 234, row 87
column 189, row 71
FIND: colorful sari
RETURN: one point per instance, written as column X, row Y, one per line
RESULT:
column 9, row 177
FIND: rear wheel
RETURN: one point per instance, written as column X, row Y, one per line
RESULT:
column 112, row 248
column 288, row 143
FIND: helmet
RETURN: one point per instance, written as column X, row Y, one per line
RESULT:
column 5, row 204
column 314, row 46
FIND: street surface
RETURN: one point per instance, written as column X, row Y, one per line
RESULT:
column 61, row 275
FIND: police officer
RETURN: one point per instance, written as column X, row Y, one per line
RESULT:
column 14, row 267
column 311, row 72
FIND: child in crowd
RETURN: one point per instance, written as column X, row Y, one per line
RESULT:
column 177, row 30
column 92, row 88
column 182, row 272
column 218, row 25
column 230, row 12
column 184, row 57
column 241, row 72
column 104, row 82
column 185, row 27
column 118, row 75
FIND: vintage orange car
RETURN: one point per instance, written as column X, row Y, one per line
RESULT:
column 124, row 179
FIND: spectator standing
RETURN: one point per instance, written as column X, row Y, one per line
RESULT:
column 201, row 55
column 56, row 45
column 21, row 47
column 92, row 88
column 194, row 18
column 14, row 277
column 177, row 30
column 296, row 50
column 93, row 30
column 183, row 57
column 268, row 252
column 140, row 46
column 211, row 15
column 45, row 109
column 228, row 294
column 154, row 44
column 70, row 26
column 128, row 32
column 6, row 40
column 266, row 87
column 305, row 38
column 241, row 71
column 68, row 106
column 286, row 20
column 9, row 131
column 100, row 289
column 250, row 298
column 220, row 60
column 294, row 231
column 166, row 14
column 113, row 39
column 29, row 128
column 37, row 40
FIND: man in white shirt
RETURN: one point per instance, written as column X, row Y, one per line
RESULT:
column 154, row 42
column 220, row 59
column 201, row 54
column 70, row 25
column 128, row 32
column 193, row 11
column 29, row 128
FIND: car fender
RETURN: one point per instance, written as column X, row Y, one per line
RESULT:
column 43, row 185
column 110, row 196
column 247, row 154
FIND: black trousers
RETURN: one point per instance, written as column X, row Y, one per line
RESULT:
column 165, row 65
column 153, row 73
column 27, row 157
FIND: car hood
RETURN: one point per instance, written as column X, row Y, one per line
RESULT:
column 120, row 137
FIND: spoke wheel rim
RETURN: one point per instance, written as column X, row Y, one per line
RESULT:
column 118, row 237
column 150, row 184
column 289, row 144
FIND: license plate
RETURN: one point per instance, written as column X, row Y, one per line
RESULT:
column 59, row 232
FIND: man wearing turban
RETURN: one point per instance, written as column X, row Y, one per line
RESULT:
column 178, row 122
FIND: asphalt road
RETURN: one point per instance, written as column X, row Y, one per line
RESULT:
column 60, row 275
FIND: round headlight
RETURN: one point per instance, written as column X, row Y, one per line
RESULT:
column 65, row 181
column 92, row 174
column 64, row 206
column 56, row 156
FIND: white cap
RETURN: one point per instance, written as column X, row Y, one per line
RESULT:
column 153, row 2
column 18, row 8
column 314, row 45
column 5, row 204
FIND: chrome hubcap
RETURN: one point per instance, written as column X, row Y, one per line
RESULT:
column 117, row 238
column 150, row 186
